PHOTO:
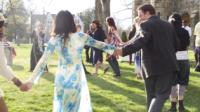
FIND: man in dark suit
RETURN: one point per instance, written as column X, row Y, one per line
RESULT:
column 158, row 42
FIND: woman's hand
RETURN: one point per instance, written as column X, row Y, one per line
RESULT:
column 26, row 86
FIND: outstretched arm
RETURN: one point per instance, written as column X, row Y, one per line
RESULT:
column 137, row 42
column 39, row 69
column 6, row 71
column 100, row 45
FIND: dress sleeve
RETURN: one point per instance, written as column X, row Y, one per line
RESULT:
column 39, row 69
column 5, row 70
column 99, row 45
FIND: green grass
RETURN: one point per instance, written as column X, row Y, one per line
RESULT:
column 108, row 94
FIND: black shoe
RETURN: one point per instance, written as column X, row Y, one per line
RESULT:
column 173, row 107
column 181, row 106
column 197, row 68
column 172, row 110
column 106, row 70
column 181, row 109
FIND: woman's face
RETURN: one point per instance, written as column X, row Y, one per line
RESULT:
column 94, row 26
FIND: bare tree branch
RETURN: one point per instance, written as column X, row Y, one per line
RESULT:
column 125, row 19
column 125, row 9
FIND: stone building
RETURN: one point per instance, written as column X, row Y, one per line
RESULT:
column 164, row 8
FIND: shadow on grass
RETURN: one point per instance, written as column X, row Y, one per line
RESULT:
column 130, row 68
column 17, row 67
column 194, row 74
column 97, row 100
column 105, row 85
column 192, row 98
column 132, row 83
column 49, row 76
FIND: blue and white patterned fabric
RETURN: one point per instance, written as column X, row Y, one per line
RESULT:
column 71, row 93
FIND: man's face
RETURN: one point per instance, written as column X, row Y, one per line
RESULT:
column 142, row 15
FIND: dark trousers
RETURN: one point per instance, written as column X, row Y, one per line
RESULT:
column 84, row 67
column 35, row 57
column 114, row 65
column 158, row 89
column 91, row 55
column 87, row 48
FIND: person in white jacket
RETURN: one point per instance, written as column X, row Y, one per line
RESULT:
column 5, row 70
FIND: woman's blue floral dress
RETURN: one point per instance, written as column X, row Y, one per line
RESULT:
column 71, row 93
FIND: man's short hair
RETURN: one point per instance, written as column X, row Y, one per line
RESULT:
column 147, row 8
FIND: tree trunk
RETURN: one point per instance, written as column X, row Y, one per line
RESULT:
column 14, row 20
column 102, row 10
column 98, row 10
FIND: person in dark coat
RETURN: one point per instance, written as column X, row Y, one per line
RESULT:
column 38, row 45
column 158, row 43
column 99, row 35
column 130, row 36
column 182, row 77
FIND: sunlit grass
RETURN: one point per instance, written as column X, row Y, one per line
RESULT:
column 108, row 94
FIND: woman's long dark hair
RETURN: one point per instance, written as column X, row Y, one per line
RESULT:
column 111, row 22
column 176, row 20
column 64, row 24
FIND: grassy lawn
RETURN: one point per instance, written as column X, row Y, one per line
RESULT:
column 108, row 94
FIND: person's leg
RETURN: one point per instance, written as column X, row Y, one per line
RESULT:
column 87, row 53
column 114, row 65
column 174, row 92
column 149, row 88
column 137, row 63
column 130, row 59
column 196, row 54
column 163, row 88
column 173, row 98
column 181, row 92
column 98, row 60
column 86, row 72
column 197, row 68
column 91, row 55
column 3, row 107
column 32, row 61
column 97, row 66
column 184, row 80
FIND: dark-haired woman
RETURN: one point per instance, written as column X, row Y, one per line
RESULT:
column 182, row 77
column 113, row 39
column 99, row 35
column 71, row 91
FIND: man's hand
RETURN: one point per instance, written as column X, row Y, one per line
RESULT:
column 117, row 52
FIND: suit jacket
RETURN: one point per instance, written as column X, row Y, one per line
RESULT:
column 158, row 42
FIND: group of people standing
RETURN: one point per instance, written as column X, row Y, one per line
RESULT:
column 164, row 59
column 96, row 31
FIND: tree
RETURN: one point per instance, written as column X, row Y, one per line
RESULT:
column 87, row 17
column 17, row 18
column 102, row 10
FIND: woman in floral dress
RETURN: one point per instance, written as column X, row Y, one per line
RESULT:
column 71, row 92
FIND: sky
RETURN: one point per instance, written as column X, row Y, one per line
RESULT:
column 76, row 6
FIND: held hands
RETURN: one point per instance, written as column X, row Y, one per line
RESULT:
column 23, row 86
column 26, row 86
column 117, row 52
